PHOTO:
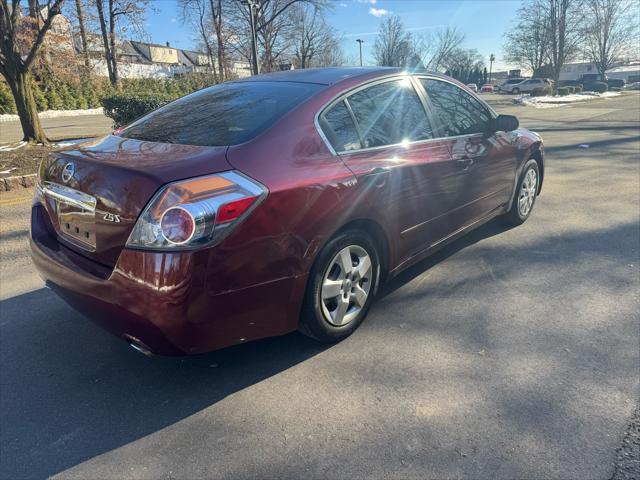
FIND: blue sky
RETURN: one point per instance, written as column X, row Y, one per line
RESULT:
column 482, row 21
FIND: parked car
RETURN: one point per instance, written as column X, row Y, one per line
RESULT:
column 615, row 83
column 529, row 85
column 473, row 86
column 589, row 80
column 632, row 86
column 506, row 86
column 278, row 202
column 487, row 88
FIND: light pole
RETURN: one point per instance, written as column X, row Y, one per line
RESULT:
column 492, row 58
column 360, row 42
column 254, row 40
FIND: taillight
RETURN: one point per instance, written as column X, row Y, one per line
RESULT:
column 197, row 212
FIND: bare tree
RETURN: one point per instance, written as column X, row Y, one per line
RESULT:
column 271, row 28
column 610, row 31
column 83, row 32
column 216, row 9
column 315, row 42
column 17, row 56
column 564, row 30
column 434, row 48
column 195, row 12
column 118, row 12
column 394, row 45
column 527, row 42
column 464, row 59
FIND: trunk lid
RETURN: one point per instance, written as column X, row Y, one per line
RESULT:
column 96, row 191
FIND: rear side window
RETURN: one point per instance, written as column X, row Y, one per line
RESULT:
column 339, row 127
column 226, row 114
column 458, row 111
column 390, row 113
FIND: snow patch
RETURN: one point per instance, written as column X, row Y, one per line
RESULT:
column 12, row 146
column 549, row 101
column 7, row 117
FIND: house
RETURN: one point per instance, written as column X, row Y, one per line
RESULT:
column 150, row 60
column 573, row 71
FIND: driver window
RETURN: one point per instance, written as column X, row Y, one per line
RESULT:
column 458, row 111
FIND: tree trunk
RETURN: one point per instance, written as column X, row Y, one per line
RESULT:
column 112, row 42
column 105, row 41
column 216, row 16
column 83, row 33
column 21, row 87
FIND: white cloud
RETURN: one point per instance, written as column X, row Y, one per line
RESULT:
column 173, row 20
column 372, row 2
column 344, row 5
column 378, row 12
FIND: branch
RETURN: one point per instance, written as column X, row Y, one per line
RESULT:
column 53, row 11
column 275, row 15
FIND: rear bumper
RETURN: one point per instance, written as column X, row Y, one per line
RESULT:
column 161, row 299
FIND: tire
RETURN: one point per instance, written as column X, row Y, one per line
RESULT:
column 517, row 214
column 515, row 91
column 321, row 312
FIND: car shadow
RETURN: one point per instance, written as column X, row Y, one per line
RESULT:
column 489, row 229
column 70, row 391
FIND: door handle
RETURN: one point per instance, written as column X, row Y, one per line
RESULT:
column 378, row 176
column 464, row 162
column 378, row 171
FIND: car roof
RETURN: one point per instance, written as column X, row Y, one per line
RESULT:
column 328, row 76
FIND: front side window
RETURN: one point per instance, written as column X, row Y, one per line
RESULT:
column 390, row 113
column 458, row 111
column 226, row 114
column 340, row 129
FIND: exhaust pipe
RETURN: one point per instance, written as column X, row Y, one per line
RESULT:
column 137, row 345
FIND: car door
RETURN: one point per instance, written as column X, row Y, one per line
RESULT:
column 405, row 175
column 486, row 159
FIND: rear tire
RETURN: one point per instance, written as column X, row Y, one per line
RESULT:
column 525, row 196
column 341, row 287
column 515, row 91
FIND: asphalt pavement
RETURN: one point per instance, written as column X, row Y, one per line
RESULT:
column 59, row 128
column 510, row 354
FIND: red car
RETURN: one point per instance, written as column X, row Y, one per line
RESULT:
column 279, row 202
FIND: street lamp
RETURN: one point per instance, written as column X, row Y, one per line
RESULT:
column 492, row 58
column 253, row 7
column 360, row 42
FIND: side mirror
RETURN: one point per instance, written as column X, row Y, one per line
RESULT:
column 506, row 123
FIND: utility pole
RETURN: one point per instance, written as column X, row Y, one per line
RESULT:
column 360, row 42
column 253, row 5
column 492, row 58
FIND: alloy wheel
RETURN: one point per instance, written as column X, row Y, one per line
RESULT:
column 346, row 285
column 528, row 191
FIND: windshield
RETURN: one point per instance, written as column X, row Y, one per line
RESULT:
column 226, row 114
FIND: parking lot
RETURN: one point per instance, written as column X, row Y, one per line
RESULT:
column 511, row 353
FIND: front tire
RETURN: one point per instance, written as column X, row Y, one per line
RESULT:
column 526, row 194
column 341, row 287
column 515, row 91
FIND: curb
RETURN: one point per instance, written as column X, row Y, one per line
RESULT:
column 20, row 181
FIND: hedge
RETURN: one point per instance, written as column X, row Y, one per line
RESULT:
column 577, row 89
column 54, row 93
column 7, row 105
column 600, row 87
column 562, row 91
column 541, row 91
column 123, row 108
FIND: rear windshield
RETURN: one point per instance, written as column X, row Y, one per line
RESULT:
column 226, row 114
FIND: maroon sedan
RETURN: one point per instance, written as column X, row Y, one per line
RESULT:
column 279, row 202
